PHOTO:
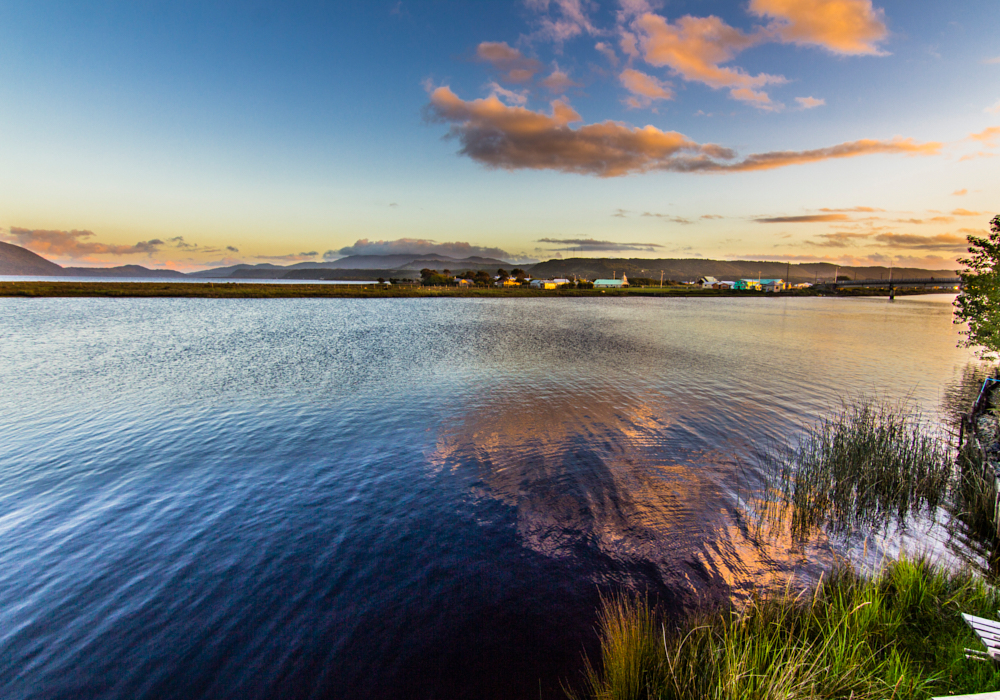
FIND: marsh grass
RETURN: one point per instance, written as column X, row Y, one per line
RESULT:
column 870, row 464
column 895, row 635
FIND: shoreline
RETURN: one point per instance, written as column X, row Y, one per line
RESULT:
column 244, row 290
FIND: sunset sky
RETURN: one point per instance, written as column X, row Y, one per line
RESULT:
column 195, row 134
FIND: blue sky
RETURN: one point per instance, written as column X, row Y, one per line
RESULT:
column 192, row 134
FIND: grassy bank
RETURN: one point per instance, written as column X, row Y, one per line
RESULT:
column 895, row 635
column 230, row 290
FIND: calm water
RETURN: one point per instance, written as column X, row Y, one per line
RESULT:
column 395, row 498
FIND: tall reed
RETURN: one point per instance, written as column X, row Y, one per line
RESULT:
column 869, row 464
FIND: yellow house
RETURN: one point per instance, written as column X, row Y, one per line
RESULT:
column 511, row 282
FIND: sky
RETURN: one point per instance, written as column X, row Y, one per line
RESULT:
column 188, row 135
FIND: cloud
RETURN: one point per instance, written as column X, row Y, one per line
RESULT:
column 591, row 245
column 694, row 48
column 850, row 27
column 644, row 88
column 621, row 213
column 417, row 247
column 668, row 217
column 512, row 96
column 994, row 109
column 988, row 136
column 807, row 219
column 838, row 239
column 942, row 241
column 513, row 138
column 711, row 216
column 572, row 20
column 810, row 102
column 232, row 249
column 75, row 244
column 960, row 193
column 966, row 212
column 559, row 82
column 994, row 60
column 607, row 52
column 931, row 262
column 516, row 67
column 290, row 258
column 854, row 209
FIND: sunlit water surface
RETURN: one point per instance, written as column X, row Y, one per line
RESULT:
column 397, row 498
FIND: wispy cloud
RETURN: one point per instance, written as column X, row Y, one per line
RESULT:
column 942, row 241
column 994, row 108
column 669, row 217
column 417, row 246
column 966, row 212
column 810, row 102
column 559, row 82
column 515, row 67
column 562, row 19
column 960, row 193
column 501, row 136
column 290, row 258
column 607, row 52
column 853, row 209
column 804, row 219
column 848, row 27
column 591, row 245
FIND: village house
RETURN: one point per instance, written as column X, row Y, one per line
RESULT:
column 611, row 284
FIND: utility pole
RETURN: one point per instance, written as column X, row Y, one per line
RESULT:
column 661, row 278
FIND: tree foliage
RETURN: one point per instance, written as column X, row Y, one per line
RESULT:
column 978, row 304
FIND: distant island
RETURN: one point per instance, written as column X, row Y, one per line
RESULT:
column 15, row 260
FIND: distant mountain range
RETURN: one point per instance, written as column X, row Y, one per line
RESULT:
column 15, row 260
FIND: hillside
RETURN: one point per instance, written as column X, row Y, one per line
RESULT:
column 691, row 269
column 15, row 260
column 119, row 271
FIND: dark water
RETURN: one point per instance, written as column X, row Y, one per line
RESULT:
column 395, row 498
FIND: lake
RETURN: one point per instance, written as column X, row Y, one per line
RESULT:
column 420, row 498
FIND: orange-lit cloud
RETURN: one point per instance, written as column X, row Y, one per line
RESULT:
column 849, row 27
column 694, row 48
column 987, row 136
column 645, row 89
column 927, row 262
column 960, row 193
column 838, row 239
column 502, row 136
column 993, row 109
column 942, row 241
column 516, row 67
column 809, row 102
column 515, row 137
column 559, row 82
column 591, row 245
column 75, row 245
column 851, row 149
column 807, row 219
column 966, row 212
column 854, row 209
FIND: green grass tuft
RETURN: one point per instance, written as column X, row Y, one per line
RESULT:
column 895, row 635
